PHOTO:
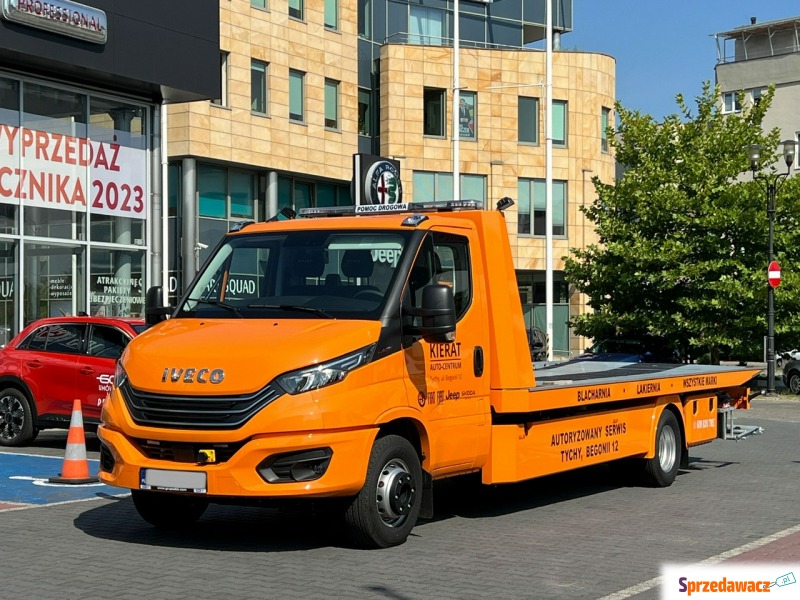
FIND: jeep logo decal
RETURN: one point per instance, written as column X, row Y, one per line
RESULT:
column 193, row 375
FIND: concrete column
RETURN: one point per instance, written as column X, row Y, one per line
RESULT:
column 272, row 195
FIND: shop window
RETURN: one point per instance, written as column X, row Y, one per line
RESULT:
column 8, row 287
column 116, row 282
column 242, row 192
column 297, row 96
column 528, row 120
column 532, row 207
column 297, row 194
column 114, row 122
column 54, row 223
column 433, row 100
column 54, row 280
column 258, row 86
column 54, row 110
column 211, row 187
column 9, row 102
column 331, row 104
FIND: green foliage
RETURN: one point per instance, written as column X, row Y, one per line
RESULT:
column 683, row 241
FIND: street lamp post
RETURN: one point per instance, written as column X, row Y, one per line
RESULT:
column 771, row 183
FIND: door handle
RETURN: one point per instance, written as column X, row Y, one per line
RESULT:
column 34, row 364
column 477, row 361
column 86, row 370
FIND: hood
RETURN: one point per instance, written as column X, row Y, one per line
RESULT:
column 236, row 356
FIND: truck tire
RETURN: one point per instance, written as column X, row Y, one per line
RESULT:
column 386, row 509
column 661, row 470
column 16, row 418
column 168, row 511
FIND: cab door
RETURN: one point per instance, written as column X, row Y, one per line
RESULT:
column 448, row 379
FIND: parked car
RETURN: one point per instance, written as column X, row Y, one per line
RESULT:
column 791, row 375
column 52, row 362
column 647, row 349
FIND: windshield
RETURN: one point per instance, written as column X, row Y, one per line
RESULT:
column 318, row 274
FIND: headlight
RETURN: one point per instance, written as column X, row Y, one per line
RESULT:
column 120, row 376
column 333, row 371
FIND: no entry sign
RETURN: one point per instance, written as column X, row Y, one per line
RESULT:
column 774, row 274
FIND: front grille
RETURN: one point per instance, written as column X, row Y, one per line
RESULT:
column 185, row 452
column 195, row 412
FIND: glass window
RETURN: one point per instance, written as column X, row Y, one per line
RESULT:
column 223, row 80
column 467, row 118
column 533, row 204
column 559, row 123
column 117, row 230
column 55, row 283
column 331, row 104
column 604, row 114
column 106, row 342
column 116, row 282
column 364, row 112
column 54, row 110
column 37, row 340
column 55, row 223
column 65, row 338
column 9, row 102
column 444, row 260
column 365, row 18
column 426, row 26
column 528, row 120
column 731, row 102
column 332, row 14
column 434, row 111
column 115, row 122
column 755, row 94
column 259, row 4
column 296, row 96
column 243, row 194
column 258, row 86
column 296, row 9
column 431, row 187
column 8, row 287
column 211, row 187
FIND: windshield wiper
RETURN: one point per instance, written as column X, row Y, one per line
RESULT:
column 297, row 307
column 219, row 303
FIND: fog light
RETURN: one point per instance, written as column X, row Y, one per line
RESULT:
column 288, row 467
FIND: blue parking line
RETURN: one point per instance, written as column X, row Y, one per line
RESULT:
column 24, row 480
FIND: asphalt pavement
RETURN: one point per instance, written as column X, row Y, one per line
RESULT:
column 582, row 535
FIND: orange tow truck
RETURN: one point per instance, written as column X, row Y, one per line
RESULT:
column 354, row 355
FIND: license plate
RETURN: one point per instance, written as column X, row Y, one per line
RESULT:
column 173, row 481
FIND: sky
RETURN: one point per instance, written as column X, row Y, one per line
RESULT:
column 663, row 47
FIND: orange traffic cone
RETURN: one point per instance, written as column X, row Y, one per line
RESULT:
column 76, row 466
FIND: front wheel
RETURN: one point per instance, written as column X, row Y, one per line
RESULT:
column 386, row 509
column 794, row 382
column 168, row 511
column 16, row 418
column 661, row 470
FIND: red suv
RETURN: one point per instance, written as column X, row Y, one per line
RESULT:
column 52, row 362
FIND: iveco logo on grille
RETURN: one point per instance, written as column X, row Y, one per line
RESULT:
column 193, row 375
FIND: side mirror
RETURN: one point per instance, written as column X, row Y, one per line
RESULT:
column 154, row 311
column 438, row 313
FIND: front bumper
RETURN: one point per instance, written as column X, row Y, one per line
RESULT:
column 238, row 476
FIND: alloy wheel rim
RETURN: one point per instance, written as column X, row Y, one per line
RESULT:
column 12, row 417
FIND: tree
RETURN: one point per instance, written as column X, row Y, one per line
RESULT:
column 682, row 247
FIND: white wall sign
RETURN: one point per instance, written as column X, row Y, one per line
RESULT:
column 53, row 170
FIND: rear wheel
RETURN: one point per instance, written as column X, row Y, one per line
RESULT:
column 16, row 418
column 168, row 511
column 386, row 509
column 661, row 470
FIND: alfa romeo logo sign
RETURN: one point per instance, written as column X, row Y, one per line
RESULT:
column 382, row 184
